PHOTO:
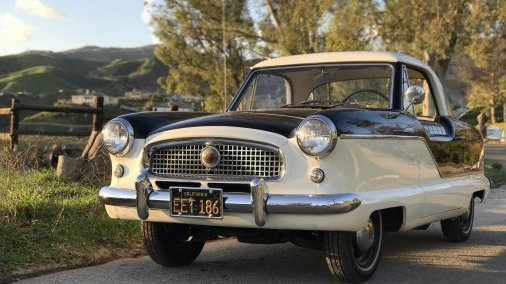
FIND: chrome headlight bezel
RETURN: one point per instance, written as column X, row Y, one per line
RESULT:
column 332, row 130
column 127, row 127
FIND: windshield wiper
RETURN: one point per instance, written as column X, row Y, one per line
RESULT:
column 312, row 102
column 336, row 105
column 302, row 106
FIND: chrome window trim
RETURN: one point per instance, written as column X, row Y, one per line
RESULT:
column 234, row 103
column 149, row 149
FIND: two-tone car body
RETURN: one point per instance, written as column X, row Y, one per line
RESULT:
column 323, row 150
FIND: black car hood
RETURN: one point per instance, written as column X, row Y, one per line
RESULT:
column 283, row 122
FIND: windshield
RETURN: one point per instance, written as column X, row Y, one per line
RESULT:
column 359, row 86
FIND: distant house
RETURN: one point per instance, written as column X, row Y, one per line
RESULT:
column 184, row 102
column 137, row 94
column 172, row 107
column 88, row 100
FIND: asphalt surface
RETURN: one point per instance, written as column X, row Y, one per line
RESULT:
column 411, row 257
column 495, row 153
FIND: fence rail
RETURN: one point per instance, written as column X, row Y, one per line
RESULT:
column 97, row 110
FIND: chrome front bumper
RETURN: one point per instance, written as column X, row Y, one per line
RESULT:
column 259, row 202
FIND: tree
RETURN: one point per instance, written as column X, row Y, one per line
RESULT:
column 294, row 26
column 351, row 26
column 191, row 35
column 488, row 49
column 432, row 30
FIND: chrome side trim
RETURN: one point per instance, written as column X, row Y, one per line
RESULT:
column 242, row 202
column 378, row 136
column 312, row 204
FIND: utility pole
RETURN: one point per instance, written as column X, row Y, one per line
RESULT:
column 224, row 56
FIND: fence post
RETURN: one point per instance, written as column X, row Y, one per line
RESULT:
column 14, row 124
column 98, row 102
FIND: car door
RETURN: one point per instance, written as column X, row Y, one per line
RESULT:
column 452, row 150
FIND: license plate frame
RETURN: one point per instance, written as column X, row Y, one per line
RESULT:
column 180, row 195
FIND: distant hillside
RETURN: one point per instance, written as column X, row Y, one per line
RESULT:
column 18, row 62
column 110, row 53
column 48, row 79
column 113, row 70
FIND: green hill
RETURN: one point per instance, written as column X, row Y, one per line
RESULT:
column 110, row 53
column 18, row 62
column 47, row 79
column 121, row 68
column 112, row 70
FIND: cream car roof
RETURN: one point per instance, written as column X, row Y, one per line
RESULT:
column 362, row 56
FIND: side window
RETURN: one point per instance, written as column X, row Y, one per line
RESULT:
column 265, row 91
column 428, row 107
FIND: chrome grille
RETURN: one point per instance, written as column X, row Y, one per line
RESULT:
column 239, row 160
column 434, row 128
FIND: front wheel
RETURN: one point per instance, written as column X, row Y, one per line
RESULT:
column 459, row 229
column 168, row 244
column 354, row 256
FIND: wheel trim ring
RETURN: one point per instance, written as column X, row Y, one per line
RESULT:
column 369, row 260
column 366, row 237
column 467, row 219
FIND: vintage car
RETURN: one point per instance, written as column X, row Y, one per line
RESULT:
column 326, row 151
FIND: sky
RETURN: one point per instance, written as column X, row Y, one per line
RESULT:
column 58, row 25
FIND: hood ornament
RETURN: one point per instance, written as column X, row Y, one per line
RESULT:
column 210, row 157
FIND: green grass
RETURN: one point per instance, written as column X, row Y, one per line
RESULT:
column 58, row 117
column 47, row 79
column 14, row 63
column 119, row 68
column 44, row 220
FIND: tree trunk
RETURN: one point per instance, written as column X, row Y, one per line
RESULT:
column 492, row 114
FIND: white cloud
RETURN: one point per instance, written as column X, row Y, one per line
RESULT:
column 13, row 30
column 146, row 16
column 37, row 8
column 146, row 12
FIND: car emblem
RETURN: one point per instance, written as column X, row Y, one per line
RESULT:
column 210, row 157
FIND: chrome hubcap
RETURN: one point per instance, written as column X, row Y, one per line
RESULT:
column 365, row 237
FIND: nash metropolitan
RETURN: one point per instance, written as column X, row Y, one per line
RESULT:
column 326, row 151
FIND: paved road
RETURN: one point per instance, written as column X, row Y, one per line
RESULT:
column 495, row 153
column 411, row 257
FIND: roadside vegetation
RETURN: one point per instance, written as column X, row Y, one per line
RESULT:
column 47, row 223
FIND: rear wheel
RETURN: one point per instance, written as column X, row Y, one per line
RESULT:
column 168, row 244
column 354, row 256
column 459, row 229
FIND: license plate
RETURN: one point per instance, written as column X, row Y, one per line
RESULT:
column 196, row 202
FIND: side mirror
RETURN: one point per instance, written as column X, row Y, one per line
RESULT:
column 414, row 95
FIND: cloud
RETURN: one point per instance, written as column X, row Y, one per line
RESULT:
column 146, row 12
column 147, row 16
column 13, row 30
column 37, row 8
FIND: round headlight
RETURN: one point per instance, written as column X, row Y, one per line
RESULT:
column 117, row 136
column 316, row 135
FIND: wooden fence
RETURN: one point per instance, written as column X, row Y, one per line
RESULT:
column 97, row 110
